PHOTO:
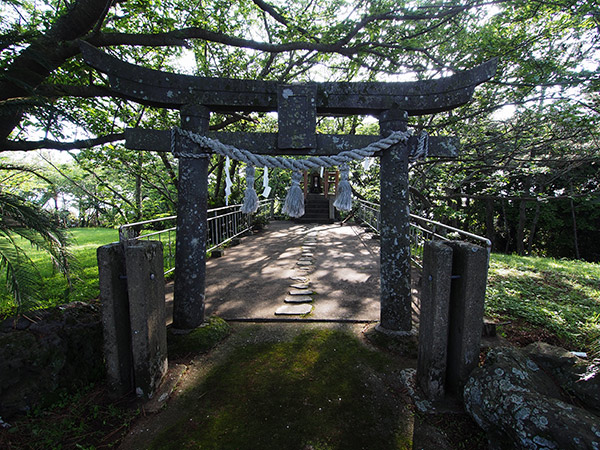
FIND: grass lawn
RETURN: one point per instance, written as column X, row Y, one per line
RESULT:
column 56, row 291
column 547, row 299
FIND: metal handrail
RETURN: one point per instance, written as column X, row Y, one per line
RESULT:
column 222, row 227
column 421, row 229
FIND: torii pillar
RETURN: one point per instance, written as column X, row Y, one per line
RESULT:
column 190, row 248
column 394, row 227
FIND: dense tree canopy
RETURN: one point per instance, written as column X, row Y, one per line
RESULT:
column 527, row 175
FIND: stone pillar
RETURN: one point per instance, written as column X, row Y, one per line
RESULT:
column 115, row 319
column 146, row 290
column 396, row 309
column 469, row 270
column 433, row 319
column 190, row 253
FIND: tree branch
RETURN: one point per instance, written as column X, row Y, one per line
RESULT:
column 56, row 145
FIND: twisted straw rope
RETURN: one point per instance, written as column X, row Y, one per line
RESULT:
column 285, row 163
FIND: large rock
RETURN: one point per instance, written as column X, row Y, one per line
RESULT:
column 520, row 406
column 573, row 374
column 60, row 349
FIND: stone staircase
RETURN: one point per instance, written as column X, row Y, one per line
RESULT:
column 316, row 210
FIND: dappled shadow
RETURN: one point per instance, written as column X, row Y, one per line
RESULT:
column 251, row 280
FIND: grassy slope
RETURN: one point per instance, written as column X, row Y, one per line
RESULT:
column 85, row 241
column 561, row 296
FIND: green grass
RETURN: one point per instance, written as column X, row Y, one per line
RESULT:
column 322, row 390
column 56, row 290
column 562, row 296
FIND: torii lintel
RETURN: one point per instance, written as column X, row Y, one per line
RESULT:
column 170, row 90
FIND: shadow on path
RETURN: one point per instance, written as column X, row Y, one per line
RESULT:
column 252, row 279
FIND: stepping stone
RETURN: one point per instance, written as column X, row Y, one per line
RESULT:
column 298, row 299
column 301, row 279
column 306, row 255
column 301, row 292
column 294, row 310
column 305, row 258
column 299, row 286
column 304, row 263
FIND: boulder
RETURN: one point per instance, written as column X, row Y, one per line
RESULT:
column 520, row 406
column 57, row 349
column 578, row 378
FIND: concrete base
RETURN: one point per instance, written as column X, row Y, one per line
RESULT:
column 397, row 333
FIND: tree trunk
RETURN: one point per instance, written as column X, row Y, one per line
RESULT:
column 575, row 240
column 520, row 235
column 534, row 223
column 219, row 180
column 490, row 231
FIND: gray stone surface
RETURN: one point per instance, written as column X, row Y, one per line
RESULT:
column 433, row 319
column 304, row 263
column 577, row 377
column 115, row 318
column 396, row 310
column 146, row 289
column 519, row 406
column 298, row 299
column 294, row 310
column 297, row 115
column 301, row 292
column 300, row 279
column 190, row 253
column 299, row 286
column 467, row 296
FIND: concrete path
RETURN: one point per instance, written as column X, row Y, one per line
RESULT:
column 339, row 263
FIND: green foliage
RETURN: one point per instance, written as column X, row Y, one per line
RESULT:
column 291, row 394
column 200, row 340
column 52, row 287
column 560, row 295
column 21, row 223
column 83, row 420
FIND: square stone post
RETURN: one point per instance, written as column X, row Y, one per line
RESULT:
column 190, row 253
column 467, row 296
column 146, row 290
column 433, row 319
column 115, row 319
column 394, row 226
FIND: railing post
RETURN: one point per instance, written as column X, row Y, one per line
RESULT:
column 190, row 253
column 396, row 299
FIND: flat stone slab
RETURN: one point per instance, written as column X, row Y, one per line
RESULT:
column 299, row 286
column 301, row 292
column 306, row 255
column 298, row 299
column 301, row 279
column 304, row 263
column 294, row 310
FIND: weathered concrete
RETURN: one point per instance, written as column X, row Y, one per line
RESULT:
column 190, row 255
column 267, row 143
column 394, row 228
column 521, row 406
column 433, row 319
column 146, row 290
column 297, row 116
column 115, row 318
column 293, row 310
column 156, row 88
column 469, row 270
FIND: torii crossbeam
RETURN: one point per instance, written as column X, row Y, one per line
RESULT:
column 298, row 106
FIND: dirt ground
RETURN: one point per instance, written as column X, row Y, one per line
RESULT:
column 251, row 280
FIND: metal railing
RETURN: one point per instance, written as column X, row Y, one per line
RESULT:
column 421, row 230
column 223, row 225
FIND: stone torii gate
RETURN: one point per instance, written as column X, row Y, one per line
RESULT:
column 297, row 106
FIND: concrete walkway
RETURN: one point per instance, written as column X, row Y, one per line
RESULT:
column 252, row 280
